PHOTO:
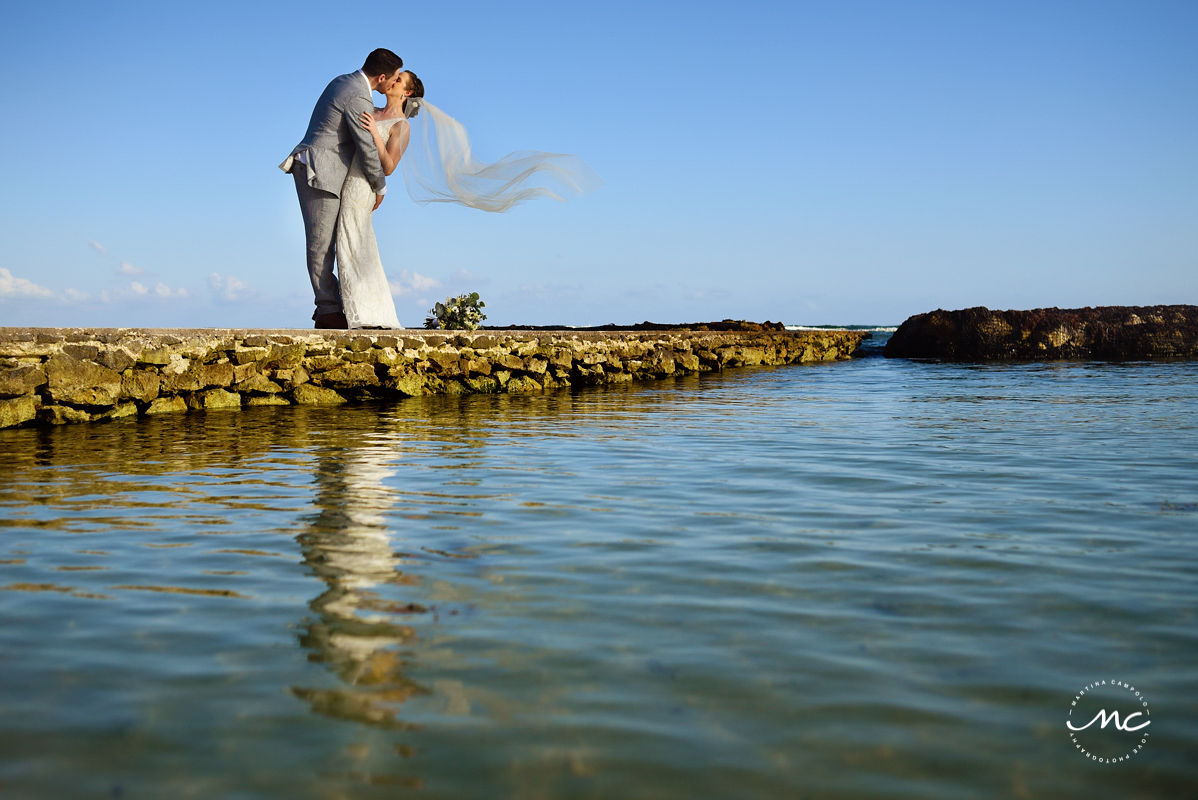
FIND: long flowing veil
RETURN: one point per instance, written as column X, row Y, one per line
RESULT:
column 439, row 168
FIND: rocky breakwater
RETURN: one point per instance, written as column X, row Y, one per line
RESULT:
column 59, row 375
column 1104, row 333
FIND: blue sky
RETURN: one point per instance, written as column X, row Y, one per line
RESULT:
column 810, row 162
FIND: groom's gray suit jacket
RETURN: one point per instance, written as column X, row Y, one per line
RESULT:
column 334, row 135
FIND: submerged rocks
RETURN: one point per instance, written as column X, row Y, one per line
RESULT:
column 58, row 376
column 1104, row 333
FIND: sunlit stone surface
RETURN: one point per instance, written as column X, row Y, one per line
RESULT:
column 60, row 375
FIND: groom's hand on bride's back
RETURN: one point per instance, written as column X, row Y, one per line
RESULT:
column 378, row 200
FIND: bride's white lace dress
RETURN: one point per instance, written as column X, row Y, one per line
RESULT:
column 365, row 293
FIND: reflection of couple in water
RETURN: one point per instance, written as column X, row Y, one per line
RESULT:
column 357, row 630
column 341, row 166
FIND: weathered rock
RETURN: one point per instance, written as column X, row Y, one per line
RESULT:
column 482, row 385
column 309, row 395
column 349, row 376
column 322, row 363
column 18, row 410
column 752, row 356
column 258, row 383
column 62, row 415
column 388, row 357
column 476, row 366
column 290, row 378
column 408, row 383
column 122, row 411
column 286, row 355
column 589, row 376
column 216, row 374
column 117, row 359
column 508, row 361
column 186, row 381
column 1108, row 333
column 140, row 385
column 81, row 383
column 522, row 384
column 360, row 356
column 167, row 405
column 21, row 380
column 177, row 364
column 243, row 372
column 266, row 400
column 215, row 399
column 159, row 357
column 83, row 352
column 245, row 355
column 446, row 362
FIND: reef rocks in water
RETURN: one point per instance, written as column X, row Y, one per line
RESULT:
column 1104, row 333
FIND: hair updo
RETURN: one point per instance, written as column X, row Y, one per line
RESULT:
column 411, row 109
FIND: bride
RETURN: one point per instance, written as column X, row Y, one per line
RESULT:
column 365, row 293
column 440, row 169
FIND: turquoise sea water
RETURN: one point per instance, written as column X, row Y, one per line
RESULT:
column 874, row 578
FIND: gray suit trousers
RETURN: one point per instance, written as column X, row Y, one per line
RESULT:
column 320, row 210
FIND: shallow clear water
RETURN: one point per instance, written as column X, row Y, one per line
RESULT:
column 873, row 578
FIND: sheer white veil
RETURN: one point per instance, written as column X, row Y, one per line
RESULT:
column 439, row 168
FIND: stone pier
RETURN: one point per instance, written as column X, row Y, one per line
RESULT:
column 53, row 376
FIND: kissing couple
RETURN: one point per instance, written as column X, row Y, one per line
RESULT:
column 340, row 169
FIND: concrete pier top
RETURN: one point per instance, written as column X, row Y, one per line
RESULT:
column 61, row 375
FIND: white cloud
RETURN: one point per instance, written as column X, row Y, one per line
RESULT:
column 162, row 290
column 465, row 276
column 227, row 287
column 99, row 248
column 410, row 283
column 128, row 269
column 422, row 283
column 136, row 290
column 11, row 286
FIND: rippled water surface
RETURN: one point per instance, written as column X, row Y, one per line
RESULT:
column 866, row 579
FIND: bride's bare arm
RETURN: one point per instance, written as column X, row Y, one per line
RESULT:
column 392, row 150
column 397, row 143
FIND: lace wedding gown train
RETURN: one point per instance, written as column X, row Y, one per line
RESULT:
column 365, row 293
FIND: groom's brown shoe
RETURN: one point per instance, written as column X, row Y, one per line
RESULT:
column 334, row 321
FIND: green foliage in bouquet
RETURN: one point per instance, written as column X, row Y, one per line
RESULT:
column 461, row 313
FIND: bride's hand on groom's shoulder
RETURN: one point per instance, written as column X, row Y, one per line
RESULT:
column 366, row 120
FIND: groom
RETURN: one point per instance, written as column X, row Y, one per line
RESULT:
column 320, row 162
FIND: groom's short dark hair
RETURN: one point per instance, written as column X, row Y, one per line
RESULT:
column 381, row 62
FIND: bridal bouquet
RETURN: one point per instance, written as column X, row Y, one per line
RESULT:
column 461, row 313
